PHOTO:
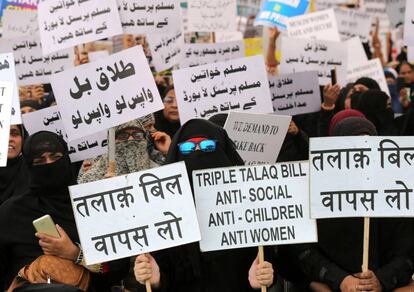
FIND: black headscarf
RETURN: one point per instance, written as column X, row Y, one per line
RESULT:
column 161, row 123
column 14, row 177
column 368, row 82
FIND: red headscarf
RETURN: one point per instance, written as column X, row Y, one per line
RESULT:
column 343, row 115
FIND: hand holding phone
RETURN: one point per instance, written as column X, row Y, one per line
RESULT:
column 46, row 225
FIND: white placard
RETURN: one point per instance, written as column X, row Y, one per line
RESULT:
column 253, row 206
column 295, row 94
column 50, row 119
column 64, row 24
column 239, row 84
column 361, row 177
column 166, row 49
column 373, row 69
column 319, row 25
column 8, row 73
column 212, row 15
column 125, row 216
column 409, row 24
column 258, row 137
column 410, row 54
column 95, row 56
column 150, row 16
column 352, row 23
column 228, row 36
column 201, row 54
column 19, row 23
column 326, row 4
column 300, row 55
column 106, row 93
column 6, row 95
column 396, row 11
column 31, row 66
column 356, row 52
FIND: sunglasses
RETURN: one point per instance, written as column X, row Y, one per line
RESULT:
column 123, row 136
column 205, row 146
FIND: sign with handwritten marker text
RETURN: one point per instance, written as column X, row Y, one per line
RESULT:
column 8, row 73
column 299, row 55
column 252, row 206
column 6, row 96
column 64, row 24
column 106, row 93
column 212, row 15
column 239, row 84
column 26, row 26
column 50, row 119
column 32, row 67
column 135, row 213
column 166, row 49
column 409, row 24
column 150, row 16
column 376, row 177
column 201, row 54
column 258, row 137
column 352, row 23
column 295, row 94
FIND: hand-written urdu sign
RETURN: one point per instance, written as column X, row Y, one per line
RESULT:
column 26, row 26
column 277, row 12
column 353, row 23
column 294, row 94
column 258, row 137
column 300, row 55
column 318, row 25
column 212, row 15
column 361, row 177
column 49, row 119
column 8, row 73
column 134, row 214
column 252, row 206
column 64, row 24
column 6, row 95
column 239, row 84
column 409, row 24
column 106, row 93
column 31, row 66
column 150, row 16
column 166, row 49
column 201, row 54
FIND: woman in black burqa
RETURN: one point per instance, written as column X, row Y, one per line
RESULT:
column 47, row 159
column 185, row 268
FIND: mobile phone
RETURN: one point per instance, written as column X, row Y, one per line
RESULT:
column 408, row 97
column 333, row 77
column 46, row 225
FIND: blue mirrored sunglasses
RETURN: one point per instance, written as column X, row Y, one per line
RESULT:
column 205, row 146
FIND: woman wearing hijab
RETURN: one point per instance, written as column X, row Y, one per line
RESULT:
column 50, row 174
column 202, row 144
column 168, row 119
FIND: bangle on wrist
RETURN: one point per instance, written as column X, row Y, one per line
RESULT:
column 326, row 107
column 80, row 255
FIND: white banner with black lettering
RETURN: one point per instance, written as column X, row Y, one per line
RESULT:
column 361, row 176
column 136, row 213
column 352, row 23
column 8, row 73
column 6, row 96
column 166, row 49
column 252, row 206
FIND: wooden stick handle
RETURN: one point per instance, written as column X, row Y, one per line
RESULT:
column 261, row 260
column 365, row 256
column 148, row 285
column 111, row 168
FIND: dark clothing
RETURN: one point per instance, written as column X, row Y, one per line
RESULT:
column 13, row 179
column 164, row 125
column 294, row 148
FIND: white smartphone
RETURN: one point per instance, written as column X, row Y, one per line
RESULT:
column 46, row 225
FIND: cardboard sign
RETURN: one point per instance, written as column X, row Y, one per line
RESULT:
column 6, row 96
column 166, row 49
column 8, row 73
column 252, row 206
column 353, row 23
column 136, row 213
column 356, row 52
column 409, row 24
column 396, row 11
column 25, row 26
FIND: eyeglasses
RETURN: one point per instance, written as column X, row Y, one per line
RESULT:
column 136, row 135
column 205, row 146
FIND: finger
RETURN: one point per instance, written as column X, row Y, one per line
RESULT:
column 61, row 231
column 264, row 271
column 365, row 287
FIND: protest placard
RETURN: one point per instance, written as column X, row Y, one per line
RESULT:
column 135, row 213
column 201, row 54
column 377, row 10
column 106, row 93
column 326, row 4
column 8, row 73
column 212, row 15
column 166, row 49
column 150, row 16
column 239, row 84
column 95, row 56
column 395, row 10
column 356, row 52
column 410, row 54
column 252, row 206
column 6, row 96
column 317, row 25
column 361, row 176
column 409, row 24
column 26, row 26
column 372, row 68
column 277, row 12
column 32, row 67
column 300, row 55
column 50, row 119
column 258, row 137
column 295, row 94
column 352, row 23
column 228, row 36
column 64, row 24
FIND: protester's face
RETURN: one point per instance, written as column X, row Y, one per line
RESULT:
column 407, row 73
column 27, row 109
column 47, row 158
column 129, row 134
column 170, row 107
column 15, row 142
